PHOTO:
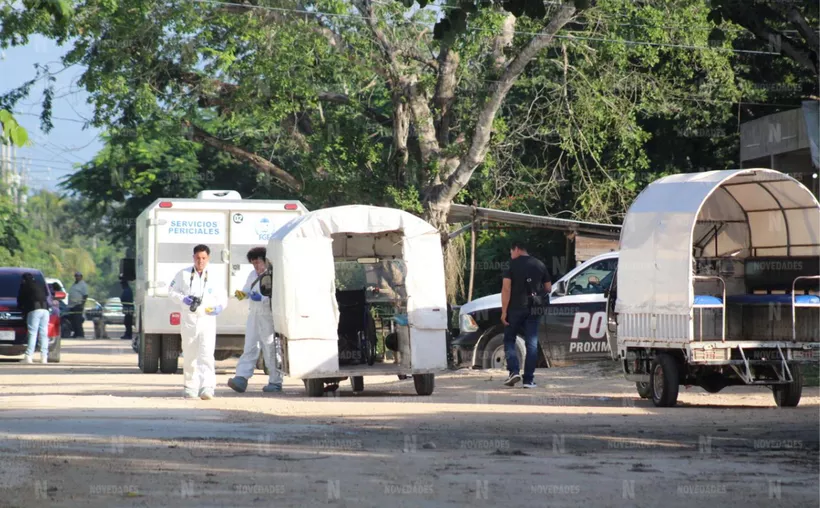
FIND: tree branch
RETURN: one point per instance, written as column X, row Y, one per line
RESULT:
column 481, row 137
column 445, row 92
column 502, row 42
column 797, row 19
column 260, row 163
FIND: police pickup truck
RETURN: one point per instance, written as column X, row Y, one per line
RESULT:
column 573, row 329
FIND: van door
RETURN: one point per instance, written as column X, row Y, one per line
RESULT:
column 178, row 232
column 249, row 229
column 575, row 325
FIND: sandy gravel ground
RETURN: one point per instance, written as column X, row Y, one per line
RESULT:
column 94, row 431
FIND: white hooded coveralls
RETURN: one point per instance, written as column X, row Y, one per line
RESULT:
column 198, row 329
column 259, row 333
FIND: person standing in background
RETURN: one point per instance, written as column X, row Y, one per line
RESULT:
column 127, row 300
column 526, row 277
column 33, row 301
column 77, row 296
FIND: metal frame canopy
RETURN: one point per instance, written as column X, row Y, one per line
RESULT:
column 732, row 213
column 303, row 254
column 467, row 213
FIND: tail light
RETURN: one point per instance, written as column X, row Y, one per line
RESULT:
column 165, row 204
column 175, row 318
column 54, row 325
column 5, row 308
column 291, row 206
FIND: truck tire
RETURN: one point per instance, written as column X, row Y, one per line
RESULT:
column 494, row 357
column 664, row 381
column 315, row 387
column 260, row 364
column 99, row 329
column 425, row 383
column 222, row 354
column 789, row 395
column 644, row 390
column 54, row 355
column 169, row 361
column 357, row 382
column 150, row 345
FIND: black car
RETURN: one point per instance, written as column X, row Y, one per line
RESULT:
column 13, row 329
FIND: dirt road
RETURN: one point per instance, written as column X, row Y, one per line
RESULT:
column 93, row 431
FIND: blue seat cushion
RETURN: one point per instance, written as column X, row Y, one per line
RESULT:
column 765, row 299
column 707, row 300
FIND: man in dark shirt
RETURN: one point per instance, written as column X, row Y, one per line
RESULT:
column 525, row 276
column 127, row 300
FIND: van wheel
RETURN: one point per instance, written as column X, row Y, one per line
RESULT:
column 644, row 390
column 149, row 353
column 357, row 382
column 425, row 383
column 789, row 395
column 169, row 361
column 664, row 380
column 315, row 387
column 222, row 354
column 494, row 356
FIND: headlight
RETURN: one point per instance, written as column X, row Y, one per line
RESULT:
column 467, row 323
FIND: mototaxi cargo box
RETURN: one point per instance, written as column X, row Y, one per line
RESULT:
column 325, row 319
column 718, row 284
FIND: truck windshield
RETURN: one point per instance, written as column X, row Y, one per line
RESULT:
column 10, row 283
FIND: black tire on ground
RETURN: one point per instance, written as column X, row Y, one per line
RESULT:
column 222, row 354
column 149, row 353
column 171, row 347
column 425, row 383
column 54, row 354
column 493, row 356
column 315, row 387
column 644, row 390
column 664, row 381
column 65, row 328
column 260, row 364
column 789, row 395
column 357, row 382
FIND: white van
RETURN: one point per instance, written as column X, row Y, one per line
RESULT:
column 167, row 232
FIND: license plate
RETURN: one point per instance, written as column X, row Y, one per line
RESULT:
column 7, row 335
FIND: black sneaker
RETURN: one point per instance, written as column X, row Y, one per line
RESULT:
column 514, row 378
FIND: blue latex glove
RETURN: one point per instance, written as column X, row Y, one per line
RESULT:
column 187, row 300
column 256, row 297
column 213, row 311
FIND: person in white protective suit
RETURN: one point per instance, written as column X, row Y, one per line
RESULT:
column 201, row 302
column 259, row 332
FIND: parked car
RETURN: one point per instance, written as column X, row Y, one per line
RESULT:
column 51, row 281
column 112, row 312
column 572, row 330
column 13, row 329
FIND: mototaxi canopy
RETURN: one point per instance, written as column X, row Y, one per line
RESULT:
column 731, row 213
column 304, row 250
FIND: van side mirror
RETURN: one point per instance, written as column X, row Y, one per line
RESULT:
column 560, row 288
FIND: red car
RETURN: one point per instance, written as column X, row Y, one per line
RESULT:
column 13, row 329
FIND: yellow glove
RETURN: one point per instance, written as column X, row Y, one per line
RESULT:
column 240, row 295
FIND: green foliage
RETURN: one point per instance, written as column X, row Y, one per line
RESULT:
column 54, row 236
column 11, row 131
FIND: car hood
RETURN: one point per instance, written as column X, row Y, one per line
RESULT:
column 9, row 303
column 483, row 303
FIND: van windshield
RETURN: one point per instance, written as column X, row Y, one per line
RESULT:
column 10, row 283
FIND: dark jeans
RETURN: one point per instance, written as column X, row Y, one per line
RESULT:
column 129, row 323
column 527, row 322
column 77, row 321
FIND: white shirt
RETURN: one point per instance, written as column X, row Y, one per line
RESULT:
column 197, row 284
